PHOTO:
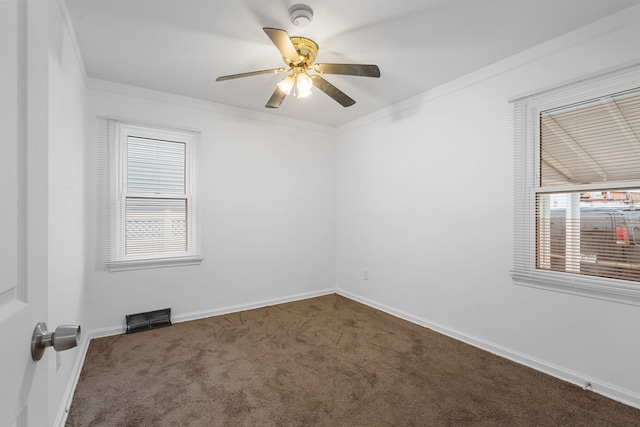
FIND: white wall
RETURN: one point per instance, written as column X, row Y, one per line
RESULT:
column 66, row 241
column 424, row 205
column 268, row 212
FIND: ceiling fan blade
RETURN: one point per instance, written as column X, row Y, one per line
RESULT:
column 283, row 42
column 342, row 98
column 348, row 69
column 251, row 73
column 276, row 99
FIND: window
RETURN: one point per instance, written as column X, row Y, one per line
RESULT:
column 150, row 196
column 577, row 188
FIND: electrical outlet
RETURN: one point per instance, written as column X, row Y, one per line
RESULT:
column 58, row 361
column 366, row 275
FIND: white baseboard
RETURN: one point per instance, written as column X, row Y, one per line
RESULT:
column 63, row 411
column 185, row 317
column 601, row 387
column 61, row 418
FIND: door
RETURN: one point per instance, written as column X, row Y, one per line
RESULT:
column 23, row 253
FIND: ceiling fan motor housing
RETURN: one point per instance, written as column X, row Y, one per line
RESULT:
column 307, row 50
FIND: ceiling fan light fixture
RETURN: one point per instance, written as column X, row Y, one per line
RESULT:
column 299, row 54
column 303, row 85
column 287, row 84
column 298, row 84
column 301, row 15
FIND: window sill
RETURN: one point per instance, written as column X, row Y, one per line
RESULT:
column 153, row 263
column 600, row 288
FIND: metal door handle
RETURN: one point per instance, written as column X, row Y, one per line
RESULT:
column 64, row 337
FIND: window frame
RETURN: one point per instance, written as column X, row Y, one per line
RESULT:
column 525, row 113
column 116, row 137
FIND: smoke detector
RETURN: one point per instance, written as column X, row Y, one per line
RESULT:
column 301, row 15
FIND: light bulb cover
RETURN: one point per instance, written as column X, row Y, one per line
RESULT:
column 303, row 85
column 286, row 84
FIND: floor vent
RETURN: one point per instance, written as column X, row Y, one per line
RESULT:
column 149, row 320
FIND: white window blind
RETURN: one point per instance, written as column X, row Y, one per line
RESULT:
column 155, row 166
column 156, row 197
column 155, row 225
column 592, row 232
column 577, row 188
column 151, row 181
column 597, row 141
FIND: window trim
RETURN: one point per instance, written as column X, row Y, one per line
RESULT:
column 143, row 264
column 113, row 134
column 525, row 113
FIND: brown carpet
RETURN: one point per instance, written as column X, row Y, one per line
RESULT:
column 326, row 361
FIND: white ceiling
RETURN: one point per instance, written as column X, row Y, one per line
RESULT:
column 181, row 46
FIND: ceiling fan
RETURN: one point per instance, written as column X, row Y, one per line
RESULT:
column 299, row 54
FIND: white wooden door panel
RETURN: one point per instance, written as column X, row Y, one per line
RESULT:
column 22, row 381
